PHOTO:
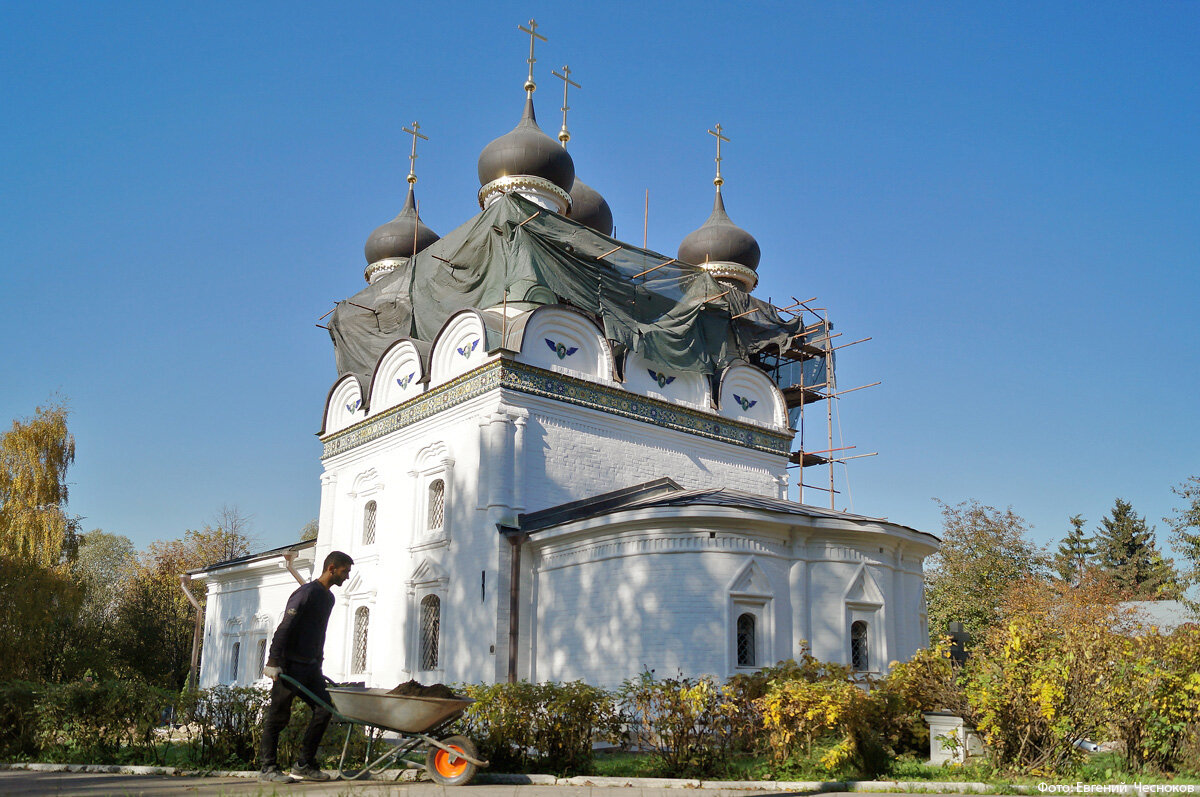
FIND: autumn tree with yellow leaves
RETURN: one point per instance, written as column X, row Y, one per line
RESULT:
column 37, row 539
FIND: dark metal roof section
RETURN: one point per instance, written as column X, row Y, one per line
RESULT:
column 665, row 492
column 254, row 557
column 596, row 505
column 403, row 236
column 720, row 240
column 590, row 209
column 527, row 150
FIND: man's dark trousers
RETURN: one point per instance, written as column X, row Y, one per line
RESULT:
column 280, row 712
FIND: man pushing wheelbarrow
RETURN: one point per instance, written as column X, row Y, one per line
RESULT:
column 297, row 651
column 416, row 717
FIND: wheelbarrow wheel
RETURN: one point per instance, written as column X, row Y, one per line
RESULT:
column 448, row 769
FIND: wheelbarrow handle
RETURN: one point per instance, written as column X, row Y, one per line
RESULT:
column 289, row 679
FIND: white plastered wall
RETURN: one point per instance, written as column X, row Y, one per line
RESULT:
column 608, row 598
column 394, row 472
column 244, row 604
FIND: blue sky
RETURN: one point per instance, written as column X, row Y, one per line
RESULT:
column 1003, row 196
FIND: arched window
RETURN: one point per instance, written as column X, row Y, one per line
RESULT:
column 745, row 640
column 859, row 656
column 262, row 657
column 358, row 656
column 437, row 504
column 431, row 623
column 368, row 537
column 233, row 661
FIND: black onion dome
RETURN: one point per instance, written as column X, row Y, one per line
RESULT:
column 396, row 238
column 589, row 208
column 527, row 150
column 719, row 239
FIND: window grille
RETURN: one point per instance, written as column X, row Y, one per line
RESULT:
column 745, row 640
column 431, row 623
column 437, row 504
column 358, row 657
column 262, row 655
column 368, row 537
column 233, row 661
column 859, row 658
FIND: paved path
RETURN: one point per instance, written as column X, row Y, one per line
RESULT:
column 65, row 784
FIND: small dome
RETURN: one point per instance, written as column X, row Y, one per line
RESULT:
column 720, row 240
column 589, row 208
column 527, row 150
column 403, row 236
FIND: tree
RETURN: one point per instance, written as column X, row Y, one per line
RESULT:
column 1125, row 549
column 1074, row 552
column 226, row 537
column 1185, row 531
column 1040, row 678
column 34, row 457
column 37, row 539
column 309, row 532
column 34, row 600
column 102, row 568
column 155, row 619
column 984, row 550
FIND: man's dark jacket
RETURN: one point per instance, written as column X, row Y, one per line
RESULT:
column 300, row 638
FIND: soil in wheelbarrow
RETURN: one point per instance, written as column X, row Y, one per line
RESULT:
column 415, row 689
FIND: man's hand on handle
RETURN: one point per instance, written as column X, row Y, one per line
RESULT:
column 272, row 672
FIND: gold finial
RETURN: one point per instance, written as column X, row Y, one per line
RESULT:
column 564, row 135
column 718, row 181
column 530, row 86
column 412, row 159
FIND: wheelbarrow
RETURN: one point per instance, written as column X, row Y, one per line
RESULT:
column 450, row 761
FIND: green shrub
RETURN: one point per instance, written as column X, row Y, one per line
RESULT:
column 747, row 688
column 548, row 727
column 100, row 721
column 926, row 682
column 18, row 722
column 688, row 723
column 227, row 724
column 1154, row 700
column 799, row 715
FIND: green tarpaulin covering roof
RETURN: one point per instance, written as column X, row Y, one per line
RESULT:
column 517, row 252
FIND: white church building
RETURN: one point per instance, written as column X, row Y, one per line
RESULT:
column 555, row 456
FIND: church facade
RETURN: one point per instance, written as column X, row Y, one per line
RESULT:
column 555, row 456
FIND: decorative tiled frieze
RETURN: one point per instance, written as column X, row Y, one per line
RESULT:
column 524, row 378
column 464, row 388
column 528, row 379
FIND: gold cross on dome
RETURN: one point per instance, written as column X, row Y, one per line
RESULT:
column 718, row 181
column 563, row 135
column 530, row 86
column 412, row 159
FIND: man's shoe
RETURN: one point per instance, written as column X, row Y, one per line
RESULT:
column 308, row 772
column 274, row 775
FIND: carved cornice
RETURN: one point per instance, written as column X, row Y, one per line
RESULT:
column 526, row 184
column 638, row 543
column 385, row 266
column 724, row 269
column 529, row 379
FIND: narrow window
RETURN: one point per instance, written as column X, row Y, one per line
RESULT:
column 262, row 656
column 745, row 640
column 437, row 504
column 368, row 537
column 859, row 658
column 358, row 659
column 431, row 623
column 233, row 661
